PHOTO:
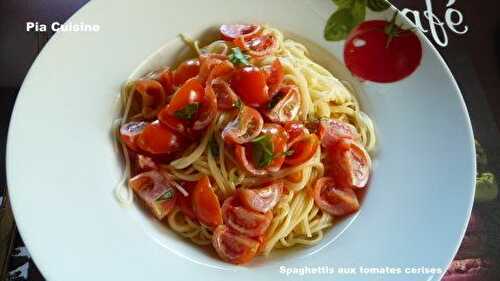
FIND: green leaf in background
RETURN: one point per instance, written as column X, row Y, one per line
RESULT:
column 486, row 188
column 358, row 11
column 339, row 25
column 378, row 5
column 343, row 3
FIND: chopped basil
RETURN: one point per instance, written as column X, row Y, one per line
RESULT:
column 238, row 57
column 214, row 147
column 169, row 194
column 262, row 151
column 237, row 104
column 188, row 111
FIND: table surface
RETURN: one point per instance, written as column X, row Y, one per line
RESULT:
column 473, row 58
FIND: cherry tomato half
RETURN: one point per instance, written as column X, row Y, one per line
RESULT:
column 275, row 76
column 301, row 149
column 245, row 221
column 333, row 199
column 247, row 125
column 186, row 71
column 261, row 199
column 258, row 46
column 206, row 204
column 230, row 32
column 249, row 83
column 285, row 105
column 154, row 189
column 159, row 139
column 226, row 98
column 232, row 247
column 153, row 97
column 129, row 133
column 349, row 163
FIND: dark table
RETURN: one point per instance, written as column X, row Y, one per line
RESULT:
column 473, row 58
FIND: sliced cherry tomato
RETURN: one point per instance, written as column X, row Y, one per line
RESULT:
column 156, row 191
column 264, row 154
column 285, row 105
column 301, row 149
column 244, row 221
column 349, row 163
column 159, row 139
column 249, row 83
column 186, row 71
column 213, row 66
column 232, row 31
column 206, row 204
column 166, row 79
column 259, row 46
column 295, row 129
column 226, row 98
column 334, row 200
column 261, row 199
column 234, row 248
column 330, row 131
column 275, row 76
column 245, row 127
column 185, row 203
column 129, row 133
column 153, row 97
column 381, row 51
column 191, row 108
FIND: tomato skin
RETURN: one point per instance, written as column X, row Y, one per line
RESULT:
column 288, row 106
column 230, row 32
column 303, row 148
column 145, row 163
column 275, row 76
column 258, row 46
column 234, row 248
column 334, row 200
column 206, row 204
column 226, row 98
column 166, row 79
column 247, row 125
column 158, row 139
column 249, row 83
column 245, row 221
column 261, row 199
column 186, row 71
column 153, row 97
column 330, row 131
column 295, row 129
column 370, row 55
column 129, row 132
column 349, row 163
column 150, row 186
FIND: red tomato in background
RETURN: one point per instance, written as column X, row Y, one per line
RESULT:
column 381, row 51
column 249, row 83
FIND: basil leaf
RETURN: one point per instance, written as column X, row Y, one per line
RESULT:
column 338, row 26
column 343, row 3
column 237, row 57
column 358, row 11
column 237, row 104
column 169, row 194
column 188, row 111
column 262, row 148
column 214, row 147
column 378, row 5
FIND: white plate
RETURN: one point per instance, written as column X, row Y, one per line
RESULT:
column 62, row 165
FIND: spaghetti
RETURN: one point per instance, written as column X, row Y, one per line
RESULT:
column 314, row 169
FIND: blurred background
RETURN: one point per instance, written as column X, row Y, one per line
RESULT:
column 473, row 58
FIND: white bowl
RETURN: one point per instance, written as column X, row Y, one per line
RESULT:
column 62, row 165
